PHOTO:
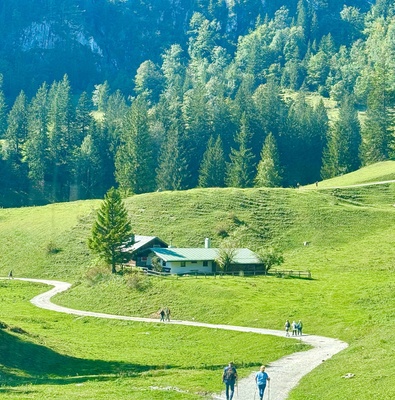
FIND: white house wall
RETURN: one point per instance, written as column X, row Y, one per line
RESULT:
column 176, row 268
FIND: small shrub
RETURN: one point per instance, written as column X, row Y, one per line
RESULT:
column 3, row 325
column 17, row 329
column 138, row 281
column 222, row 231
column 52, row 248
column 97, row 274
column 235, row 219
column 156, row 265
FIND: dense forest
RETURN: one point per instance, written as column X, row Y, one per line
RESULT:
column 171, row 95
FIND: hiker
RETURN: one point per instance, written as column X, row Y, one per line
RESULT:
column 300, row 327
column 10, row 275
column 261, row 378
column 287, row 326
column 294, row 328
column 167, row 314
column 229, row 377
column 162, row 315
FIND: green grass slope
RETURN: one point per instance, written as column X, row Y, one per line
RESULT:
column 350, row 254
column 383, row 171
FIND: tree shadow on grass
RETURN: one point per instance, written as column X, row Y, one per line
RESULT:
column 24, row 362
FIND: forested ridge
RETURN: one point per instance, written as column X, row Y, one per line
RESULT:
column 171, row 95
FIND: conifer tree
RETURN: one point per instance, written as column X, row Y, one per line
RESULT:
column 135, row 164
column 3, row 109
column 100, row 96
column 16, row 131
column 37, row 142
column 196, row 129
column 342, row 152
column 240, row 170
column 172, row 172
column 15, row 138
column 268, row 174
column 301, row 145
column 60, row 137
column 212, row 169
column 375, row 131
column 96, row 167
column 83, row 117
column 111, row 229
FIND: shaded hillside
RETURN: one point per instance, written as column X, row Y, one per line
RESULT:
column 91, row 41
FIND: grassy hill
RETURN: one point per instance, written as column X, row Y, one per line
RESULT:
column 350, row 255
column 383, row 171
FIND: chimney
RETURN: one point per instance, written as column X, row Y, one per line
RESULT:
column 207, row 243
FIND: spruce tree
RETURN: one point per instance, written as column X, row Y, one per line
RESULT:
column 37, row 141
column 375, row 131
column 134, row 162
column 240, row 170
column 60, row 138
column 3, row 109
column 268, row 174
column 13, row 147
column 212, row 168
column 172, row 172
column 342, row 152
column 110, row 230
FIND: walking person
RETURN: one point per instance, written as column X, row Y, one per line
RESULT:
column 167, row 314
column 162, row 315
column 10, row 276
column 294, row 328
column 300, row 327
column 287, row 326
column 229, row 377
column 261, row 378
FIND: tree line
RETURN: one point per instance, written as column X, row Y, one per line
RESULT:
column 205, row 116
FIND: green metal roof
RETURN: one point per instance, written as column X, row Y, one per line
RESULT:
column 242, row 256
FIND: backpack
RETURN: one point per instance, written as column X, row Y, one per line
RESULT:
column 230, row 374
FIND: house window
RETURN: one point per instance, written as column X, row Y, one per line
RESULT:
column 194, row 262
column 143, row 258
column 163, row 263
column 205, row 263
column 182, row 263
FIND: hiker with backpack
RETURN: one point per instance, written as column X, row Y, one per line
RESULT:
column 287, row 326
column 229, row 377
column 261, row 378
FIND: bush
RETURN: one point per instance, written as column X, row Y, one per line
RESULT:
column 52, row 248
column 138, row 281
column 270, row 257
column 156, row 265
column 97, row 274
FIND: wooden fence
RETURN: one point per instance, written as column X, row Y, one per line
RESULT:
column 196, row 274
column 281, row 273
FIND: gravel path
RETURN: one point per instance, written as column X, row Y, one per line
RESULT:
column 285, row 373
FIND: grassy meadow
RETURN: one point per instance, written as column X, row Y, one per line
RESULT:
column 351, row 296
